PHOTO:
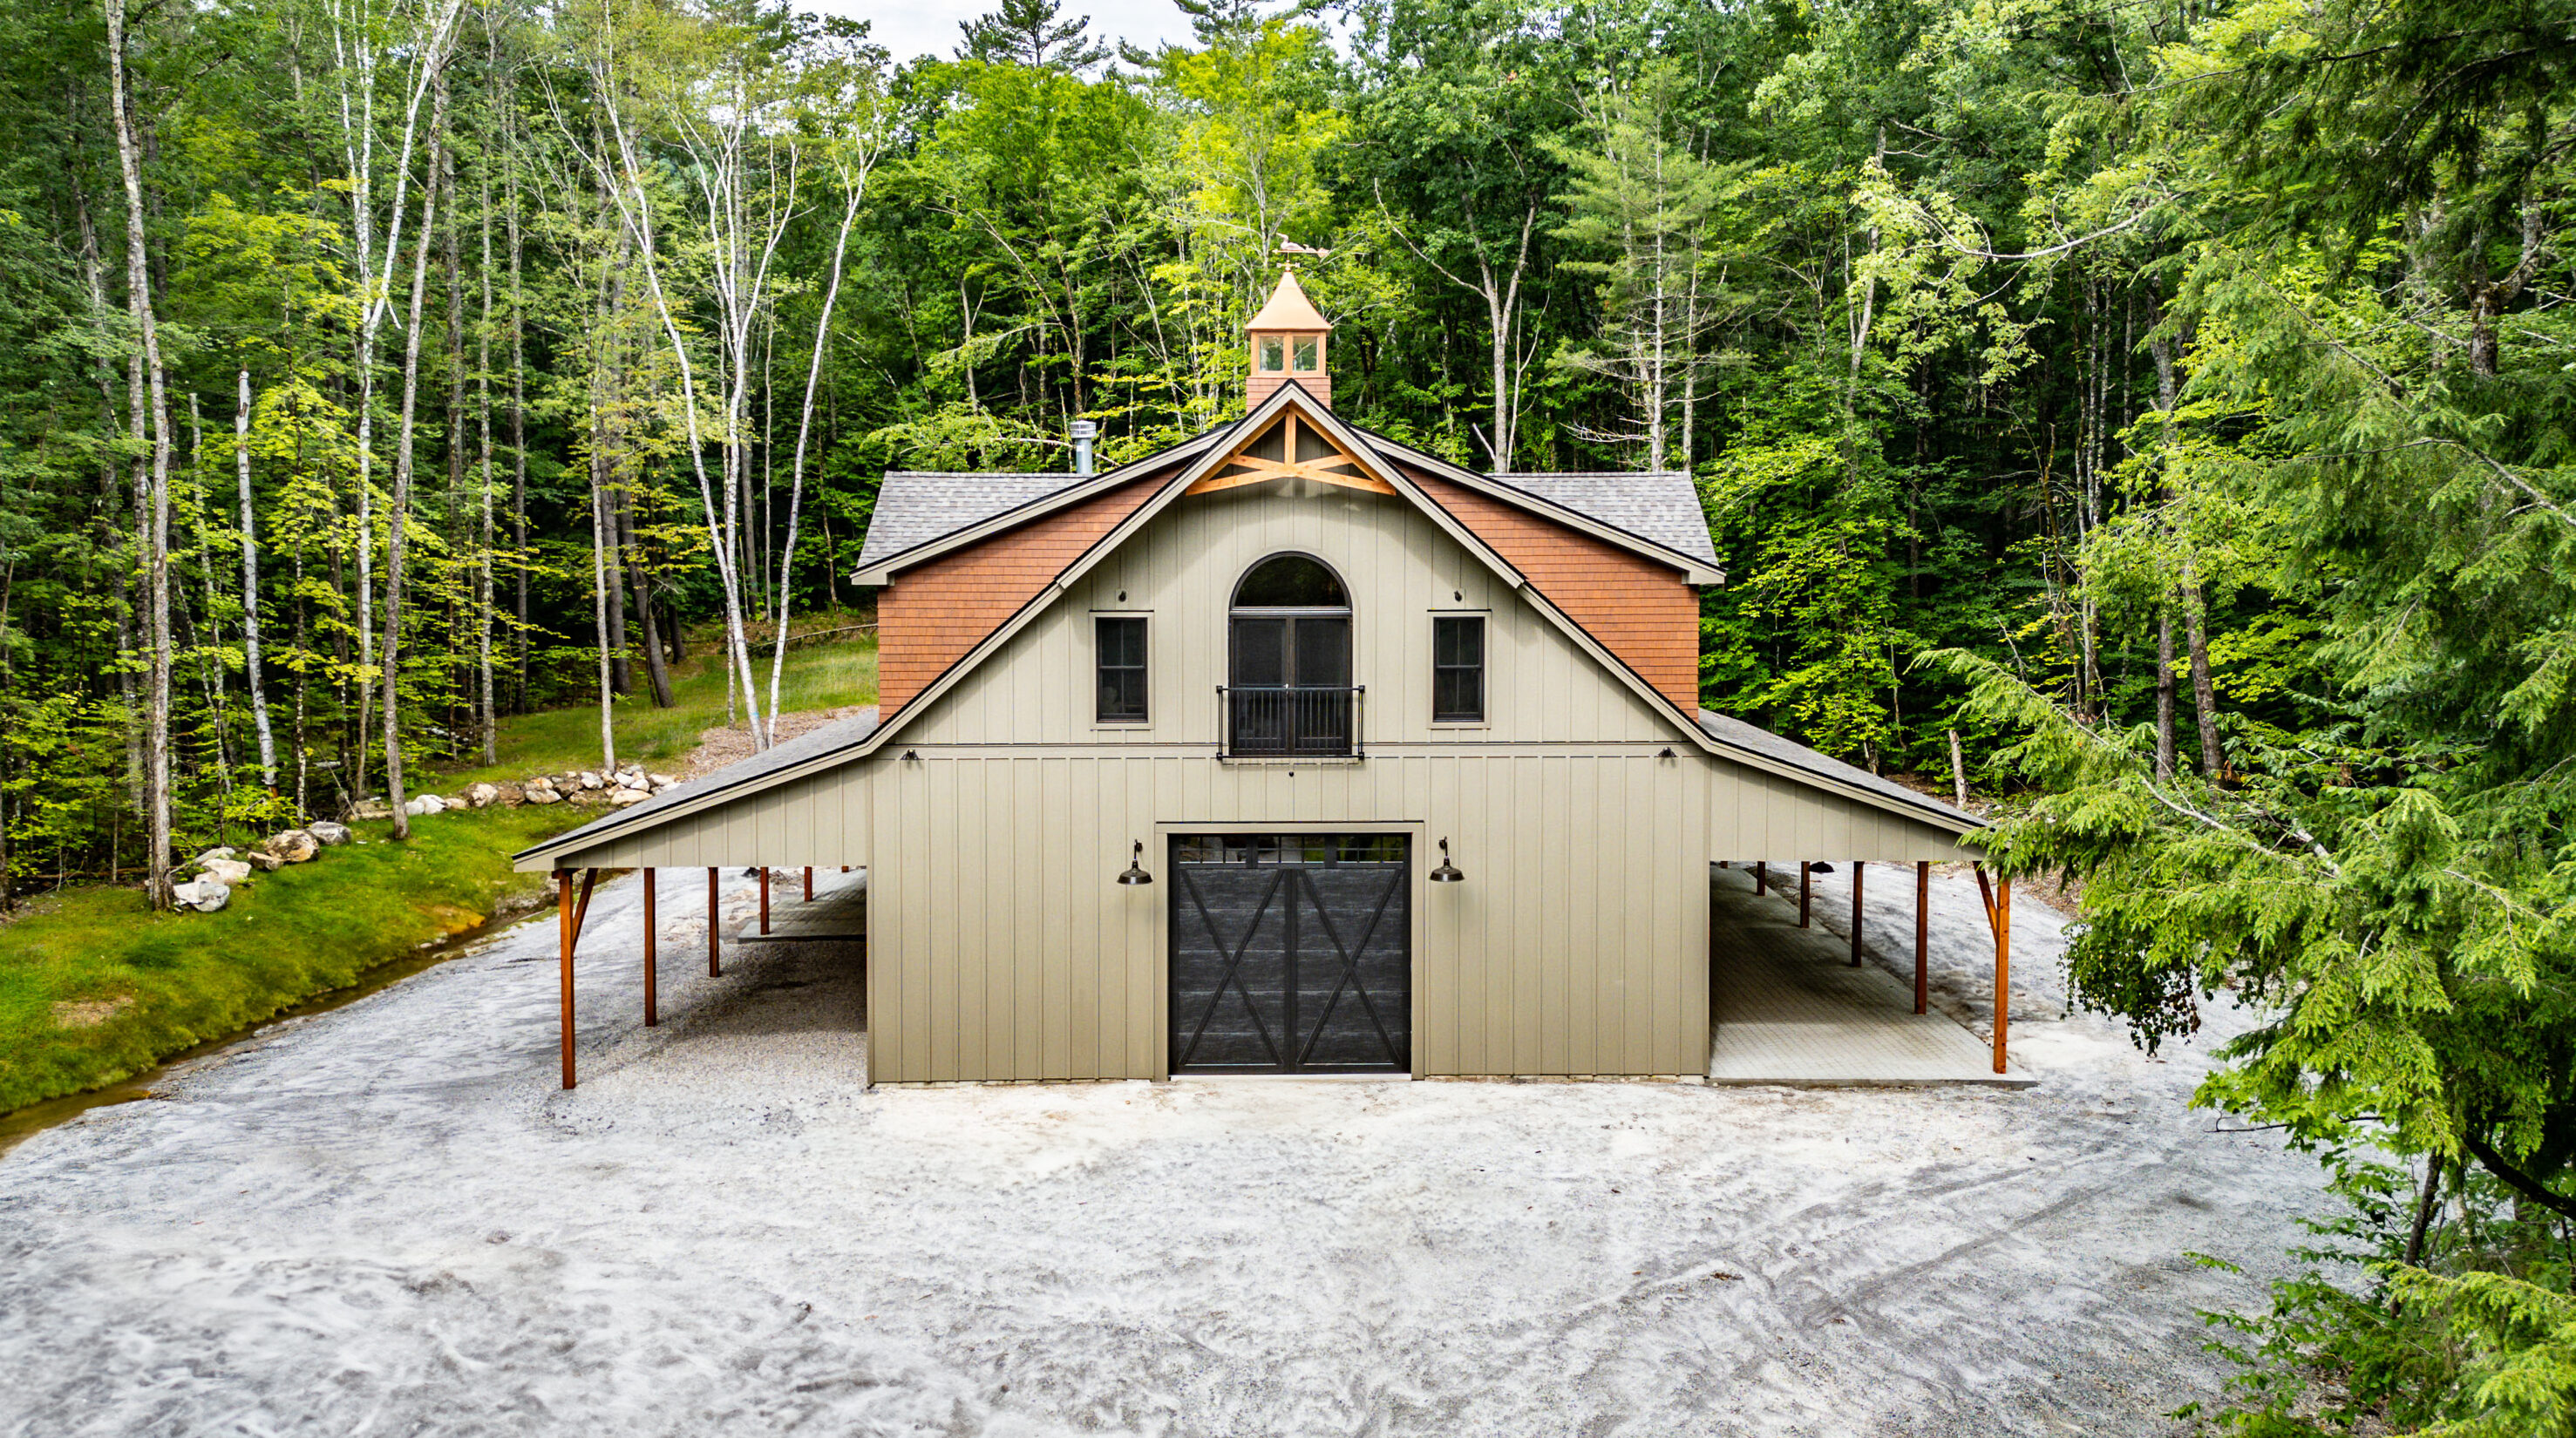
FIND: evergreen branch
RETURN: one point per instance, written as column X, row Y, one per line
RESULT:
column 2515, row 1179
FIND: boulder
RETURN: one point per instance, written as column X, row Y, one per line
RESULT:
column 211, row 855
column 590, row 796
column 543, row 796
column 264, row 861
column 590, row 780
column 223, row 871
column 509, row 796
column 293, row 846
column 371, row 809
column 202, row 897
column 327, row 832
column 425, row 805
column 481, row 796
column 623, row 797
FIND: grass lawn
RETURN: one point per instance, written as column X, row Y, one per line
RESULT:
column 94, row 986
column 825, row 675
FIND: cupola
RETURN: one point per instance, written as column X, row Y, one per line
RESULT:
column 1288, row 343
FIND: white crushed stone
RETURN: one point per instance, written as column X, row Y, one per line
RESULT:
column 389, row 1220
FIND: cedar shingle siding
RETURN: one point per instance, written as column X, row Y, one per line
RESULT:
column 930, row 617
column 1641, row 611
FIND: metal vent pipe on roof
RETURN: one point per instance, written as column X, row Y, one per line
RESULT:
column 1084, row 432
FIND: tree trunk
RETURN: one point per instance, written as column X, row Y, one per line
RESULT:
column 804, row 429
column 251, row 675
column 2164, row 692
column 398, row 511
column 2204, row 693
column 457, row 545
column 656, row 671
column 518, row 407
column 599, row 603
column 152, row 474
column 485, row 713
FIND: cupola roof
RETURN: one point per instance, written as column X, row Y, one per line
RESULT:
column 1289, row 309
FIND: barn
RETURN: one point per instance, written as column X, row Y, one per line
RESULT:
column 1289, row 749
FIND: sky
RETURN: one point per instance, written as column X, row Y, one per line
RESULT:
column 922, row 27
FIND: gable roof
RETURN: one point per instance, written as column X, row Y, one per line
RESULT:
column 1177, row 482
column 920, row 514
column 856, row 738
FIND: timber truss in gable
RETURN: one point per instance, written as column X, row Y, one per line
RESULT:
column 1289, row 450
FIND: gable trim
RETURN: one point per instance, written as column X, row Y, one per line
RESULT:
column 1694, row 570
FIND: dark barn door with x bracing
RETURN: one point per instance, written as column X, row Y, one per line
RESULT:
column 1292, row 953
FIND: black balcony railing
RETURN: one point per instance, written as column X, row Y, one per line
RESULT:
column 1290, row 721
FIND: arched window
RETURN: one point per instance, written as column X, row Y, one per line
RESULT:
column 1291, row 581
column 1289, row 689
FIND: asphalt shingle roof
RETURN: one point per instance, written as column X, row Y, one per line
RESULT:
column 915, row 507
column 1728, row 729
column 1662, row 507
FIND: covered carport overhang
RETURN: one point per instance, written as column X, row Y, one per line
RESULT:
column 793, row 806
column 1771, row 798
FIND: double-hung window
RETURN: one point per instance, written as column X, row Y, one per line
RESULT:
column 1120, row 640
column 1457, row 669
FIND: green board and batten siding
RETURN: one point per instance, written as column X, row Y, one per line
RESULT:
column 1000, row 948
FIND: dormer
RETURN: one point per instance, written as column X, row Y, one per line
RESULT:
column 1288, row 343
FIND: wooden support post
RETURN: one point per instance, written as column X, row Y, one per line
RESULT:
column 715, row 930
column 1761, row 877
column 563, row 934
column 652, row 1011
column 1806, row 890
column 1857, row 866
column 568, row 916
column 764, row 898
column 2003, row 965
column 1922, row 935
column 809, row 883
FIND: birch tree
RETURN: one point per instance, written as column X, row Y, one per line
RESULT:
column 415, row 37
column 148, row 428
column 853, row 156
column 251, row 673
column 398, row 521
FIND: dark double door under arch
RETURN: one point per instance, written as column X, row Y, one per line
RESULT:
column 1291, row 953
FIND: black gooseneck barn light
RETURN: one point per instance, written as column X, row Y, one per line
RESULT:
column 1447, row 873
column 1136, row 868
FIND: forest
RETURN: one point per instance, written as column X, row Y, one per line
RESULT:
column 2158, row 415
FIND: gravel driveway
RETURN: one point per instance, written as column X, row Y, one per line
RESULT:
column 387, row 1219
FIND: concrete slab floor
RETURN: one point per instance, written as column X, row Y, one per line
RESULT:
column 1787, row 1007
